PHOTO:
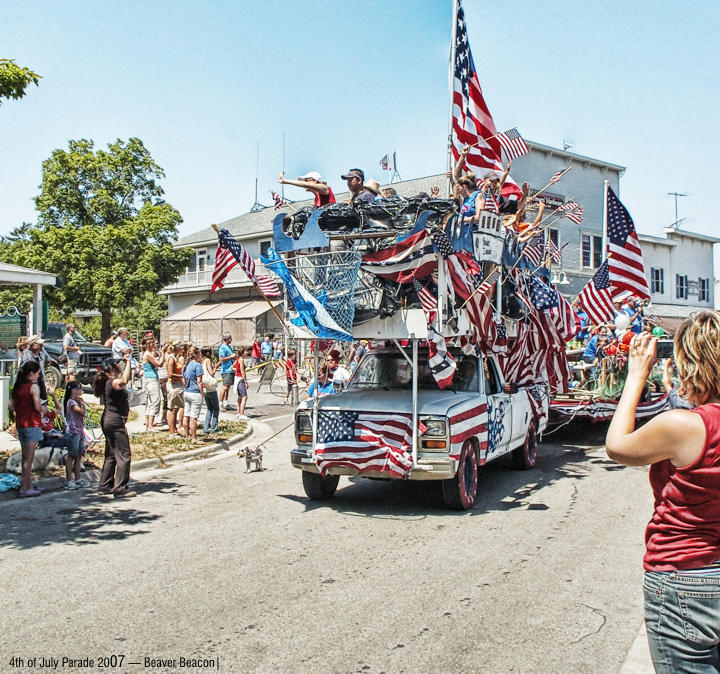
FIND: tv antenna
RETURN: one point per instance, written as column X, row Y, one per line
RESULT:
column 257, row 206
column 566, row 144
column 676, row 195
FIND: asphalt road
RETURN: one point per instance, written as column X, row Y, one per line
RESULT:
column 242, row 570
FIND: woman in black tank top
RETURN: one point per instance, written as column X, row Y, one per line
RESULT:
column 110, row 385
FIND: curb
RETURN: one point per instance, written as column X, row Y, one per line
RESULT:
column 57, row 483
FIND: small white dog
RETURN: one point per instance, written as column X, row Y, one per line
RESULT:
column 45, row 458
column 252, row 456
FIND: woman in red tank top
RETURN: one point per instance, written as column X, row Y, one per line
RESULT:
column 25, row 402
column 682, row 447
column 312, row 182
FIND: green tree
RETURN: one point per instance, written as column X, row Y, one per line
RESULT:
column 104, row 228
column 15, row 79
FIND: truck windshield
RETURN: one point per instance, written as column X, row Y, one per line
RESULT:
column 387, row 371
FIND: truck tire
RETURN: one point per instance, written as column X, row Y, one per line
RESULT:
column 317, row 487
column 525, row 456
column 460, row 492
column 53, row 377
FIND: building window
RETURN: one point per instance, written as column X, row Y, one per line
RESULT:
column 657, row 280
column 591, row 251
column 264, row 247
column 192, row 264
column 201, row 259
column 554, row 236
column 704, row 289
column 681, row 287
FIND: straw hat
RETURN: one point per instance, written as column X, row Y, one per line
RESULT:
column 373, row 186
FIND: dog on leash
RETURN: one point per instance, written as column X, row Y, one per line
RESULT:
column 252, row 456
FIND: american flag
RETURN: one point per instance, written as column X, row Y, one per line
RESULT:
column 513, row 144
column 491, row 203
column 536, row 396
column 244, row 259
column 596, row 296
column 472, row 122
column 279, row 200
column 267, row 286
column 428, row 301
column 534, row 250
column 468, row 420
column 558, row 175
column 543, row 296
column 386, row 163
column 441, row 363
column 365, row 441
column 412, row 258
column 224, row 262
column 553, row 251
column 573, row 211
column 625, row 257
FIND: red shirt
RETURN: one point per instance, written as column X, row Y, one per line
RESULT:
column 256, row 353
column 324, row 199
column 291, row 371
column 26, row 416
column 684, row 532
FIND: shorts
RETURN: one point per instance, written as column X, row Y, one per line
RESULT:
column 193, row 403
column 153, row 401
column 76, row 444
column 291, row 385
column 241, row 388
column 175, row 396
column 30, row 435
column 228, row 379
column 71, row 366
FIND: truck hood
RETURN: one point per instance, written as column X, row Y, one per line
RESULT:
column 429, row 402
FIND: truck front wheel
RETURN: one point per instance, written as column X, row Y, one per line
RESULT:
column 460, row 492
column 525, row 456
column 317, row 487
column 53, row 377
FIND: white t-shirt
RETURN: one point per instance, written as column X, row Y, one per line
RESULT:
column 340, row 377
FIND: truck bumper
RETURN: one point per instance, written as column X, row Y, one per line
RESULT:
column 429, row 467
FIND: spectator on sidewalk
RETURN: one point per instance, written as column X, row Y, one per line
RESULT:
column 36, row 353
column 122, row 346
column 110, row 387
column 151, row 362
column 241, row 383
column 256, row 353
column 212, row 403
column 312, row 182
column 108, row 343
column 163, row 379
column 682, row 447
column 20, row 346
column 266, row 348
column 291, row 374
column 52, row 436
column 25, row 402
column 75, row 418
column 226, row 357
column 277, row 348
column 176, row 399
column 72, row 352
column 194, row 392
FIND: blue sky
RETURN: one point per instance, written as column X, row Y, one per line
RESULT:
column 632, row 83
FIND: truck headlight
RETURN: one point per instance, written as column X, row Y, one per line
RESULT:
column 303, row 428
column 435, row 428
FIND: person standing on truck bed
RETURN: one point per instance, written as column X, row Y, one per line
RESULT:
column 312, row 182
column 71, row 350
column 355, row 179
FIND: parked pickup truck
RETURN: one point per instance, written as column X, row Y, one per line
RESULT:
column 90, row 359
column 367, row 429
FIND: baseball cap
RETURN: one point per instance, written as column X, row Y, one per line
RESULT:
column 35, row 339
column 354, row 173
column 312, row 174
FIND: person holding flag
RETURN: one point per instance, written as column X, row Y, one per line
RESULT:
column 313, row 182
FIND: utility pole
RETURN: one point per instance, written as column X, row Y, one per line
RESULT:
column 676, row 195
column 257, row 206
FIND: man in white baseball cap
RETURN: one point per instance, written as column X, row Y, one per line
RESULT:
column 313, row 182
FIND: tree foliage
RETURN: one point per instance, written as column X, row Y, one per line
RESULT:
column 15, row 79
column 104, row 228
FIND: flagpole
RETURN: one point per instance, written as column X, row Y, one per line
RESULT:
column 272, row 306
column 604, row 231
column 534, row 196
column 452, row 89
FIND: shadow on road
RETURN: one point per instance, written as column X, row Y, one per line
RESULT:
column 499, row 487
column 80, row 519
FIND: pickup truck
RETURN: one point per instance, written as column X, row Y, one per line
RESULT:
column 366, row 430
column 90, row 359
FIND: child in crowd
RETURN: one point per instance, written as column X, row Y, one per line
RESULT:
column 75, row 419
column 290, row 374
column 241, row 383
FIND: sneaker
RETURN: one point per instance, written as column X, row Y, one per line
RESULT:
column 82, row 482
column 173, row 436
column 104, row 492
column 33, row 491
column 128, row 493
column 71, row 484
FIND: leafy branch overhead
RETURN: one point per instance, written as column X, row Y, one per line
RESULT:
column 15, row 79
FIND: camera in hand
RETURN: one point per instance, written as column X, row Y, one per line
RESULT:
column 665, row 348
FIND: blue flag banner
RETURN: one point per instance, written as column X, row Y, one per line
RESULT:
column 312, row 314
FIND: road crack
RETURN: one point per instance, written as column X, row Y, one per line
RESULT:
column 602, row 624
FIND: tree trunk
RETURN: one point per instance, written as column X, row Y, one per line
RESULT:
column 106, row 323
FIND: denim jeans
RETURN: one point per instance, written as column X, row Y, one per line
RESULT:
column 682, row 617
column 212, row 403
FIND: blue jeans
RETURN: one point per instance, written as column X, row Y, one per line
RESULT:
column 682, row 617
column 213, row 411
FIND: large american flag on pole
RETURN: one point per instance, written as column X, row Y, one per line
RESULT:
column 625, row 259
column 224, row 262
column 596, row 296
column 472, row 123
column 365, row 441
column 230, row 253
